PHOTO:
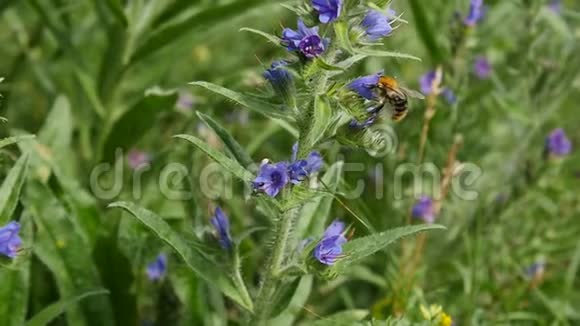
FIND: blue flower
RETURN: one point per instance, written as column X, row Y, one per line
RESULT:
column 557, row 143
column 366, row 85
column 377, row 24
column 449, row 96
column 475, row 13
column 272, row 178
column 156, row 270
column 424, row 209
column 298, row 170
column 482, row 67
column 10, row 241
column 306, row 40
column 328, row 10
column 222, row 225
column 426, row 82
column 329, row 249
column 536, row 270
column 279, row 77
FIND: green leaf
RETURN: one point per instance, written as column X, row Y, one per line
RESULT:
column 326, row 66
column 425, row 29
column 13, row 140
column 227, row 163
column 196, row 261
column 211, row 16
column 343, row 318
column 314, row 215
column 385, row 54
column 67, row 255
column 14, row 292
column 49, row 313
column 117, row 9
column 264, row 108
column 237, row 151
column 342, row 36
column 10, row 189
column 57, row 131
column 296, row 305
column 272, row 38
column 360, row 248
column 134, row 123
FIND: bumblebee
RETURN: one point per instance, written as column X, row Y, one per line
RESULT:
column 389, row 92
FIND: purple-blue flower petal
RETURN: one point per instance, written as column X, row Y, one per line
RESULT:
column 365, row 85
column 10, row 241
column 328, row 10
column 156, row 270
column 424, row 209
column 272, row 178
column 377, row 24
column 558, row 144
column 222, row 225
column 475, row 14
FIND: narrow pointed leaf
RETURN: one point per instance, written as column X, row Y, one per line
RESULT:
column 236, row 149
column 13, row 140
column 360, row 248
column 386, row 54
column 272, row 38
column 227, row 163
column 49, row 313
column 197, row 262
column 10, row 189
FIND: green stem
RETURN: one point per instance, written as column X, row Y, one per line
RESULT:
column 268, row 286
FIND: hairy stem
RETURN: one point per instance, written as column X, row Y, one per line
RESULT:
column 268, row 287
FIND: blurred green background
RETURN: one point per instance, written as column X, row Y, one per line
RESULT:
column 106, row 69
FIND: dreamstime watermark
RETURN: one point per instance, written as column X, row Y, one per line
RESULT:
column 175, row 181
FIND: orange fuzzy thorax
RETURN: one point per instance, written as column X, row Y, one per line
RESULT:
column 388, row 82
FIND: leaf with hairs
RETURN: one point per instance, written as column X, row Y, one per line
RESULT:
column 227, row 163
column 236, row 149
column 196, row 261
column 14, row 140
column 264, row 108
column 10, row 189
column 360, row 248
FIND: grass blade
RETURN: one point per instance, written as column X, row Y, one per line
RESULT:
column 49, row 313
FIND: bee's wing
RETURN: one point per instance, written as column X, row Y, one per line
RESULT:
column 413, row 93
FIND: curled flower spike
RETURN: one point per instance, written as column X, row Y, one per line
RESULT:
column 557, row 143
column 306, row 40
column 156, row 270
column 475, row 13
column 272, row 178
column 424, row 209
column 378, row 24
column 364, row 86
column 328, row 10
column 10, row 241
column 329, row 249
column 222, row 225
column 482, row 68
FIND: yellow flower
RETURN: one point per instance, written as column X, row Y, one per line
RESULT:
column 445, row 319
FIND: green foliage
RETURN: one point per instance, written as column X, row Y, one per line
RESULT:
column 95, row 78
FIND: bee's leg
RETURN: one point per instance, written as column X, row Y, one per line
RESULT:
column 375, row 109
